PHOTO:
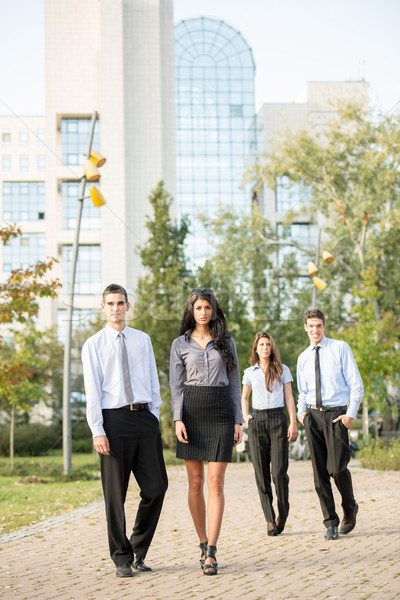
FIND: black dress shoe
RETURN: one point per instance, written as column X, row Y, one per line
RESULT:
column 272, row 532
column 124, row 570
column 348, row 524
column 331, row 533
column 140, row 566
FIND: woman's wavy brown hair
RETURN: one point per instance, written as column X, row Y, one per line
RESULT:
column 273, row 374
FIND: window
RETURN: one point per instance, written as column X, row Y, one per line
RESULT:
column 75, row 137
column 23, row 137
column 303, row 234
column 6, row 137
column 236, row 110
column 23, row 201
column 80, row 318
column 23, row 251
column 40, row 137
column 289, row 195
column 6, row 162
column 88, row 270
column 91, row 216
column 23, row 162
column 41, row 162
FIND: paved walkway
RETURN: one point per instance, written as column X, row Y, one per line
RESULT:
column 71, row 562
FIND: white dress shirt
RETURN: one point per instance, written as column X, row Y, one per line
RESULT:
column 102, row 370
column 261, row 398
column 340, row 377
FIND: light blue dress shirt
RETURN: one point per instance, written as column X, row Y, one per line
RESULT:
column 261, row 398
column 102, row 370
column 340, row 377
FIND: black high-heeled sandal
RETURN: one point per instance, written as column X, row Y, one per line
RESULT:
column 203, row 547
column 212, row 568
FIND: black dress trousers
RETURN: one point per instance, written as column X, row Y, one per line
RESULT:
column 135, row 446
column 330, row 455
column 269, row 454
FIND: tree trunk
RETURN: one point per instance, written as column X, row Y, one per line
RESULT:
column 365, row 417
column 12, row 427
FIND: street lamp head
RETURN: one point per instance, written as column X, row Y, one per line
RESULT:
column 96, row 196
column 97, row 158
column 327, row 256
column 312, row 268
column 91, row 172
column 319, row 283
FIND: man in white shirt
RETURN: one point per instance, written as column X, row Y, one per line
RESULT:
column 122, row 407
column 330, row 392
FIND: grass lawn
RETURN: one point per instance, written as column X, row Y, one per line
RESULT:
column 36, row 489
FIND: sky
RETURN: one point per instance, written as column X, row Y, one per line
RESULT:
column 293, row 41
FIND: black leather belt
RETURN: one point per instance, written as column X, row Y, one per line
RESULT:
column 267, row 410
column 326, row 408
column 136, row 406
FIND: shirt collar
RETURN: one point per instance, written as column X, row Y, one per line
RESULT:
column 186, row 335
column 115, row 332
column 254, row 367
column 322, row 344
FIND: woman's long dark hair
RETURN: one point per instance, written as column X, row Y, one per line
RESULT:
column 273, row 373
column 218, row 330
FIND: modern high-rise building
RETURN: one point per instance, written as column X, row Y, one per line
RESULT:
column 115, row 57
column 214, row 82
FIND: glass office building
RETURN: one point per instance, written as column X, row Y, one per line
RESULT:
column 215, row 72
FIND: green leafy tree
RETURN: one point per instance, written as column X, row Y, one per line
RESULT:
column 19, row 296
column 161, row 293
column 352, row 170
column 374, row 343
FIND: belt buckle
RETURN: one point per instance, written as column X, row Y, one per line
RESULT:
column 131, row 407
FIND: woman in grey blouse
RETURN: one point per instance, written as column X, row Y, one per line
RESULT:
column 206, row 410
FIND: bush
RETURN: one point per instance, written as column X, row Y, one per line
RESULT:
column 380, row 455
column 31, row 440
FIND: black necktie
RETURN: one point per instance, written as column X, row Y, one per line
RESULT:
column 318, row 398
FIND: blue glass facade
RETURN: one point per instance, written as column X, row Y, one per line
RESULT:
column 215, row 71
column 75, row 138
column 24, row 251
column 88, row 269
column 70, row 192
column 23, row 201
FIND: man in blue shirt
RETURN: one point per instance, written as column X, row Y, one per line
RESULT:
column 330, row 392
column 123, row 406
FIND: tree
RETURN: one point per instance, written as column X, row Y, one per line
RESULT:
column 162, row 291
column 352, row 168
column 374, row 343
column 254, row 291
column 19, row 295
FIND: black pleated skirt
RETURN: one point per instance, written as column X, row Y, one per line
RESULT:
column 209, row 421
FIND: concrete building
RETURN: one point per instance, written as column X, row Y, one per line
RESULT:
column 116, row 57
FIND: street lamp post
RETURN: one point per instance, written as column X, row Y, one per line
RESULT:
column 67, row 438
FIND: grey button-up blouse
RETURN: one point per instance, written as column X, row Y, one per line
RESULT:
column 203, row 367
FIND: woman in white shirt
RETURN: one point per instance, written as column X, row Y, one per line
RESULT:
column 269, row 381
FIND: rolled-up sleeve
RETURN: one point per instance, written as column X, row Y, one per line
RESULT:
column 235, row 386
column 176, row 374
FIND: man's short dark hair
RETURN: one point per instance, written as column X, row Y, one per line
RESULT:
column 114, row 288
column 314, row 313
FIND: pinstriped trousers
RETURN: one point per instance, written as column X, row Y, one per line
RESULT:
column 269, row 449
